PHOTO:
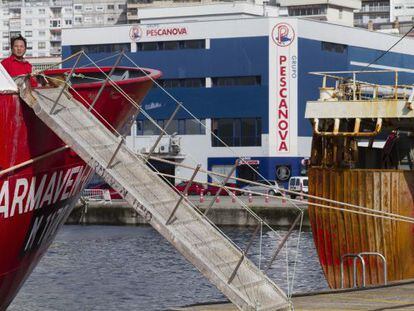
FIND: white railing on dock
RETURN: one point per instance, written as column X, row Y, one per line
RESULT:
column 96, row 195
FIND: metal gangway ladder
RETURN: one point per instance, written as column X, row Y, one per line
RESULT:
column 216, row 257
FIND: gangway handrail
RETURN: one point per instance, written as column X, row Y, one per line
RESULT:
column 359, row 256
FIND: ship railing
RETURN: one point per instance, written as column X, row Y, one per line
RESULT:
column 355, row 258
column 346, row 85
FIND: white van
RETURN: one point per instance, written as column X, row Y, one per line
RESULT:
column 298, row 184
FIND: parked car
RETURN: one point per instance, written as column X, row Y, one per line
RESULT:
column 195, row 188
column 212, row 190
column 274, row 190
column 298, row 184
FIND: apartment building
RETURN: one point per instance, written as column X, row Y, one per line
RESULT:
column 41, row 22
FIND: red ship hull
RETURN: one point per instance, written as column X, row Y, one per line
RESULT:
column 37, row 197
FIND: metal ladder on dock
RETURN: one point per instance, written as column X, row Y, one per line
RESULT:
column 217, row 258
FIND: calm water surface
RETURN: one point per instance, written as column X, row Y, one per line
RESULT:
column 134, row 268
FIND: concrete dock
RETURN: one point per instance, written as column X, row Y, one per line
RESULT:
column 397, row 296
column 224, row 213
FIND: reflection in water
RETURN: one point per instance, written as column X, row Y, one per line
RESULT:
column 134, row 268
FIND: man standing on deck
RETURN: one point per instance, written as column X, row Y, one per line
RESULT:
column 15, row 64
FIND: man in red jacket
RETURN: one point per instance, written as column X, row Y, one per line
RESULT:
column 15, row 64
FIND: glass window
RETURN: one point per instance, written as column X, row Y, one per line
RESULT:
column 237, row 132
column 149, row 128
column 139, row 127
column 234, row 81
column 28, row 22
column 111, row 7
column 148, row 46
column 173, row 127
column 192, row 127
column 194, row 44
column 181, row 127
column 28, row 34
column 171, row 45
column 41, row 45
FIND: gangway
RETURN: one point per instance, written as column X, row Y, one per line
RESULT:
column 216, row 257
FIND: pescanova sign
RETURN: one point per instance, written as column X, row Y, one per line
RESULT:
column 283, row 35
column 136, row 33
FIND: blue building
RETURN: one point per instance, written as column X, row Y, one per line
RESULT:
column 247, row 81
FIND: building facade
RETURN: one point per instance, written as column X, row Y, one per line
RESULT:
column 333, row 11
column 376, row 12
column 246, row 80
column 41, row 22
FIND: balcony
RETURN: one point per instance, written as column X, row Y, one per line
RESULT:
column 56, row 38
column 15, row 24
column 55, row 51
column 374, row 9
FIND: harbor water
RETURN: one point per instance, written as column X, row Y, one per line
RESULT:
column 134, row 268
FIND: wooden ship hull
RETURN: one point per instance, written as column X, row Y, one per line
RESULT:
column 347, row 167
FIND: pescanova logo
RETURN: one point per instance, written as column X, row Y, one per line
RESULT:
column 135, row 33
column 283, row 34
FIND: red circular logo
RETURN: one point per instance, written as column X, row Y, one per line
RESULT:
column 283, row 34
column 135, row 33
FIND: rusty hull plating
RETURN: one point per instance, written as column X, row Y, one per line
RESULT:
column 348, row 165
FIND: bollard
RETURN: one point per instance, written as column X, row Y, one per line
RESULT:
column 250, row 198
column 267, row 198
column 201, row 196
column 233, row 197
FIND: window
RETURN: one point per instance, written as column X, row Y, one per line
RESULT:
column 188, row 82
column 28, row 34
column 333, row 47
column 78, row 7
column 6, row 46
column 29, row 11
column 307, row 10
column 28, row 22
column 180, row 126
column 41, row 45
column 121, row 6
column 5, row 35
column 42, row 33
column 68, row 22
column 99, row 8
column 171, row 45
column 29, row 45
column 6, row 23
column 235, row 81
column 111, row 7
column 237, row 132
column 55, row 23
column 111, row 19
column 14, row 34
column 88, row 20
column 101, row 48
column 88, row 8
column 194, row 44
column 78, row 20
column 42, row 11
